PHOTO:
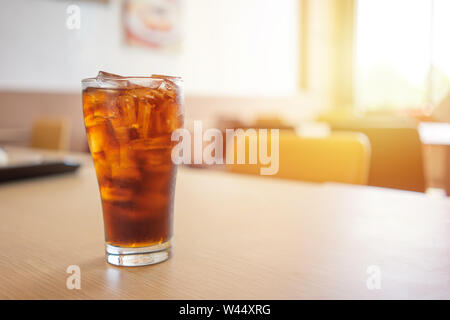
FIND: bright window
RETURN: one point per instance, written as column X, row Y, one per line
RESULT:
column 403, row 53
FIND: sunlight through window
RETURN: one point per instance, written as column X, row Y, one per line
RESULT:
column 402, row 52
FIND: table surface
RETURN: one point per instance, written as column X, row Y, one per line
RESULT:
column 236, row 237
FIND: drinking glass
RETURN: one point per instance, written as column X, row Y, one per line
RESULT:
column 129, row 122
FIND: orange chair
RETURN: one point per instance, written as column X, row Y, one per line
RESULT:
column 50, row 134
column 340, row 157
column 397, row 159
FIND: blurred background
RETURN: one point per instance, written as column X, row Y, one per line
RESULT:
column 364, row 84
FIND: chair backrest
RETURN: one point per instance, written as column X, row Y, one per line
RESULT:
column 50, row 134
column 339, row 157
column 397, row 155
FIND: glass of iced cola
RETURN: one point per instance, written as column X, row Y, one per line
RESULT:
column 129, row 122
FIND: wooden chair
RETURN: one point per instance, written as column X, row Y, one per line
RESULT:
column 50, row 134
column 397, row 155
column 340, row 157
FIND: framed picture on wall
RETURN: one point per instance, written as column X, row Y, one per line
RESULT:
column 153, row 24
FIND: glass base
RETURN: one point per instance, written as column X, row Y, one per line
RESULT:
column 139, row 256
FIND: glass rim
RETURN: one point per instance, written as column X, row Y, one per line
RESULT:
column 177, row 80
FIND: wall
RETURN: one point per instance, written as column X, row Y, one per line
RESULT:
column 238, row 57
column 19, row 109
column 239, row 47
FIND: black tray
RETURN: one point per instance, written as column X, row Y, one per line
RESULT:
column 32, row 170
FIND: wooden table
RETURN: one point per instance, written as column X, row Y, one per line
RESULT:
column 236, row 237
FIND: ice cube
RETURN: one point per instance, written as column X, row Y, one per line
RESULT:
column 170, row 87
column 102, row 166
column 110, row 80
column 91, row 120
column 166, row 118
column 127, row 106
column 125, row 175
column 97, row 136
column 106, row 75
column 171, row 79
column 105, row 111
column 122, row 134
column 160, row 142
column 143, row 118
column 101, row 138
column 110, row 193
column 122, row 115
column 141, row 82
column 93, row 99
column 156, row 159
column 172, row 117
column 148, row 94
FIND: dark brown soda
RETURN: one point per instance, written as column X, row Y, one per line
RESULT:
column 129, row 132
